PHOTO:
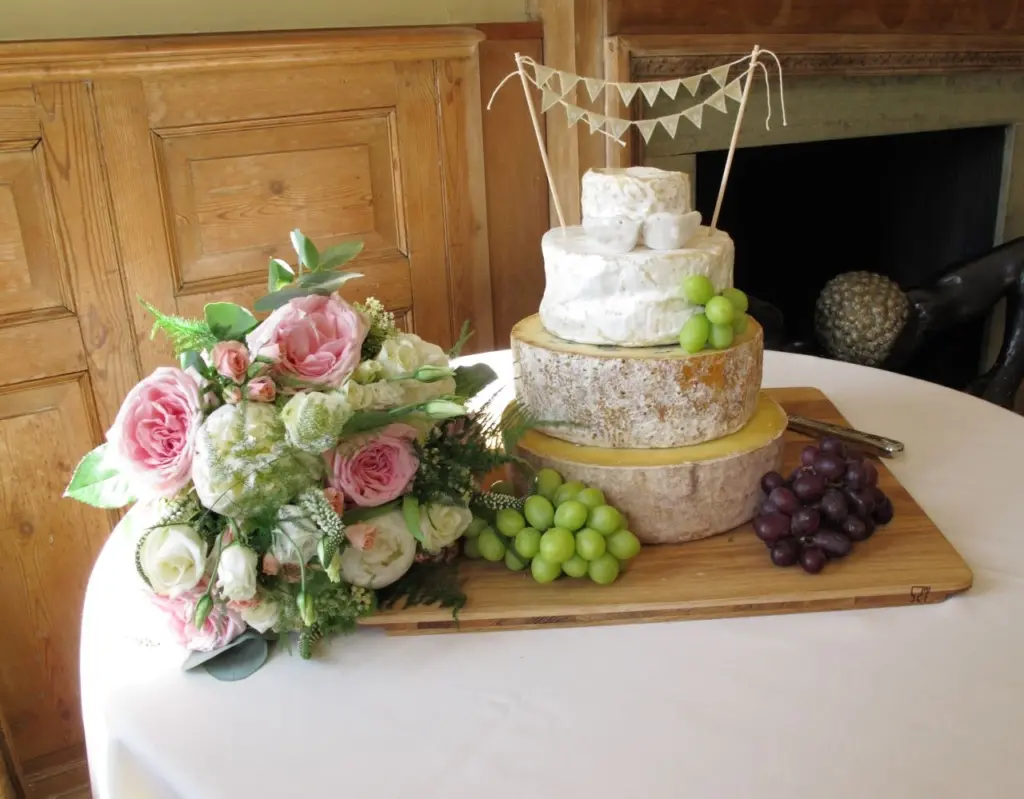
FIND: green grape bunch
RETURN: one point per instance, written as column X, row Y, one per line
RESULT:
column 724, row 316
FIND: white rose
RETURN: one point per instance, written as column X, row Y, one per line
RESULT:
column 173, row 558
column 384, row 395
column 236, row 573
column 314, row 420
column 367, row 372
column 294, row 530
column 391, row 555
column 441, row 525
column 263, row 615
column 405, row 353
column 415, row 392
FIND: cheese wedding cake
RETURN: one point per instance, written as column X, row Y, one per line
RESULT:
column 645, row 363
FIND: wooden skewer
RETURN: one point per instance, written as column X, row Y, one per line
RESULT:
column 540, row 141
column 735, row 137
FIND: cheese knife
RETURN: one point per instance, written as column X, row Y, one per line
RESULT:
column 876, row 445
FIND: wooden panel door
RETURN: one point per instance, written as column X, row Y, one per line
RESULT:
column 67, row 362
column 211, row 168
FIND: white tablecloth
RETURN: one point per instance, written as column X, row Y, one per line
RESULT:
column 892, row 703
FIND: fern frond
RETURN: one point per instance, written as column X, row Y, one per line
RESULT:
column 184, row 334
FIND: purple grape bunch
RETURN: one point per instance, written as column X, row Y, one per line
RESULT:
column 829, row 502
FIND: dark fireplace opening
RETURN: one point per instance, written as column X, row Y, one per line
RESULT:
column 906, row 206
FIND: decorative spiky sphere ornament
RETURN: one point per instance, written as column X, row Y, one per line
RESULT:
column 859, row 315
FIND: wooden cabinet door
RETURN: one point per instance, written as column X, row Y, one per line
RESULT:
column 211, row 167
column 66, row 361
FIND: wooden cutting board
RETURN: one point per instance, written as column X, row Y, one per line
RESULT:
column 907, row 562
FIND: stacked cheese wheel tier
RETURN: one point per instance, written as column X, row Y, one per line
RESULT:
column 636, row 398
column 631, row 299
column 634, row 192
column 675, row 495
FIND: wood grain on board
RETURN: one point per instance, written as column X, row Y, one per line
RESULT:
column 907, row 562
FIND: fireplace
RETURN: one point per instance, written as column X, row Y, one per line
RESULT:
column 906, row 206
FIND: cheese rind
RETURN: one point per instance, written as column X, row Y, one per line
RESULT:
column 636, row 398
column 633, row 192
column 674, row 495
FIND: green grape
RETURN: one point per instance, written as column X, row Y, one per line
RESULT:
column 514, row 561
column 603, row 570
column 475, row 527
column 502, row 487
column 590, row 497
column 557, row 545
column 509, row 522
column 571, row 515
column 471, row 549
column 539, row 512
column 492, row 546
column 605, row 519
column 547, row 483
column 719, row 311
column 737, row 299
column 590, row 544
column 568, row 491
column 694, row 335
column 575, row 566
column 698, row 289
column 721, row 336
column 623, row 545
column 739, row 324
column 527, row 542
column 544, row 570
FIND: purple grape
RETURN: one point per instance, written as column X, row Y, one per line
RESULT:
column 772, row 480
column 830, row 466
column 809, row 455
column 856, row 476
column 870, row 474
column 799, row 470
column 834, row 506
column 883, row 512
column 804, row 522
column 833, row 446
column 813, row 559
column 785, row 500
column 855, row 529
column 785, row 552
column 854, row 455
column 835, row 544
column 809, row 487
column 879, row 495
column 765, row 506
column 771, row 527
column 870, row 525
column 860, row 503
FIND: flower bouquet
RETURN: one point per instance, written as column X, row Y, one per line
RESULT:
column 290, row 470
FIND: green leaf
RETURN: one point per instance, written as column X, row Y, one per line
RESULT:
column 326, row 282
column 309, row 257
column 280, row 274
column 190, row 359
column 411, row 514
column 184, row 334
column 229, row 322
column 471, row 380
column 339, row 254
column 357, row 515
column 465, row 334
column 271, row 302
column 97, row 483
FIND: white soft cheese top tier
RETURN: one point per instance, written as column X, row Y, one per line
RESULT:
column 635, row 192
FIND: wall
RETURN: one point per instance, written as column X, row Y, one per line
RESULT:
column 62, row 19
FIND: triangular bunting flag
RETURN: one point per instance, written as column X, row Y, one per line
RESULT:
column 717, row 101
column 670, row 87
column 567, row 80
column 695, row 114
column 670, row 124
column 544, row 74
column 549, row 99
column 595, row 120
column 733, row 90
column 574, row 113
column 650, row 91
column 647, row 127
column 594, row 86
column 719, row 74
column 616, row 126
column 627, row 90
column 692, row 83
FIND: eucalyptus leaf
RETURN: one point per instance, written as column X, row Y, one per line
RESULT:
column 271, row 302
column 471, row 380
column 280, row 274
column 340, row 254
column 326, row 282
column 229, row 322
column 190, row 359
column 96, row 482
column 308, row 254
column 411, row 514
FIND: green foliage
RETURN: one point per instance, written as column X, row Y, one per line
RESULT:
column 335, row 606
column 340, row 254
column 382, row 327
column 280, row 274
column 308, row 254
column 361, row 421
column 96, row 482
column 229, row 322
column 411, row 514
column 190, row 359
column 184, row 334
column 471, row 380
column 426, row 584
column 465, row 334
column 320, row 275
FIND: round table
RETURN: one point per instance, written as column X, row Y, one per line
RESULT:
column 909, row 702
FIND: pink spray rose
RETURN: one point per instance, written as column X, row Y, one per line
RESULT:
column 376, row 470
column 318, row 339
column 230, row 359
column 362, row 536
column 262, row 389
column 153, row 436
column 336, row 500
column 221, row 627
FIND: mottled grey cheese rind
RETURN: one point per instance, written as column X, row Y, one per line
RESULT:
column 636, row 398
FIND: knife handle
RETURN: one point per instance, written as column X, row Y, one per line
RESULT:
column 877, row 445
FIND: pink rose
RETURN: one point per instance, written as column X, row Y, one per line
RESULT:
column 361, row 536
column 222, row 626
column 336, row 499
column 319, row 340
column 375, row 470
column 230, row 359
column 271, row 565
column 262, row 389
column 153, row 436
